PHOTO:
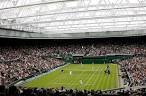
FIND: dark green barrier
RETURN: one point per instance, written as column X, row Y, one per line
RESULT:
column 101, row 59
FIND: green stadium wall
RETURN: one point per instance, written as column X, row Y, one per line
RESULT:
column 101, row 59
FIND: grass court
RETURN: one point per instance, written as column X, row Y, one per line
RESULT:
column 79, row 76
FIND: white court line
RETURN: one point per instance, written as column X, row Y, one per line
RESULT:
column 92, row 75
column 97, row 77
column 80, row 70
column 73, row 83
column 100, row 79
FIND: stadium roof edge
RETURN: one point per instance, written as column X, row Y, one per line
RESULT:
column 8, row 33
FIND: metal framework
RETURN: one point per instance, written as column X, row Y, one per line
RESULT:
column 72, row 16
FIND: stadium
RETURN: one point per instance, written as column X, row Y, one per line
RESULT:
column 72, row 48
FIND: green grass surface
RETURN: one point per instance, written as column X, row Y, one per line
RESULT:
column 92, row 75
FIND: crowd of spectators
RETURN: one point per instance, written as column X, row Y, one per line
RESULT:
column 16, row 64
column 21, row 62
column 136, row 69
column 19, row 91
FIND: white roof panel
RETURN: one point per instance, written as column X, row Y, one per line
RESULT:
column 72, row 16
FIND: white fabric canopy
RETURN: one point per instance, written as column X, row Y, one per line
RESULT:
column 72, row 16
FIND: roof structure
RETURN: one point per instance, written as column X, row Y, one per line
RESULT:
column 73, row 16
